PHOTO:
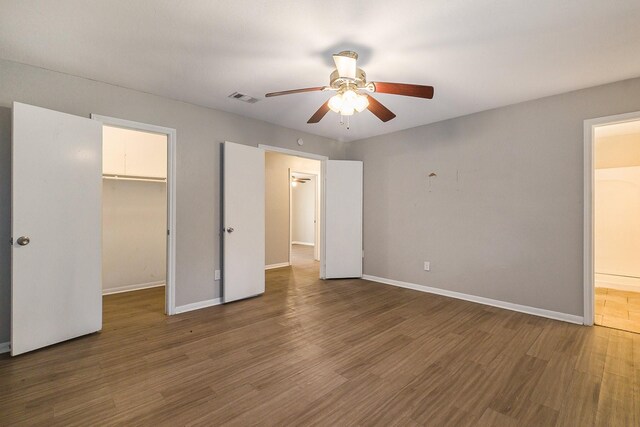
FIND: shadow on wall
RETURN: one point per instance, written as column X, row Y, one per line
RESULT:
column 5, row 223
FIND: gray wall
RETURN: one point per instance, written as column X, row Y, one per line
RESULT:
column 199, row 134
column 134, row 233
column 503, row 219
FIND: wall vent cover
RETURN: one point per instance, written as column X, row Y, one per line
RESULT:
column 243, row 97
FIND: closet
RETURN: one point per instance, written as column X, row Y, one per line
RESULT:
column 134, row 206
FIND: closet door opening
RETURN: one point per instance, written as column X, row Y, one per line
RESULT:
column 136, row 219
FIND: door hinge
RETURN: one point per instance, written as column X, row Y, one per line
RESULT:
column 11, row 241
column 168, row 232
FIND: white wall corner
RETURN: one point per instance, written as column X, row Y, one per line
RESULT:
column 198, row 305
column 555, row 315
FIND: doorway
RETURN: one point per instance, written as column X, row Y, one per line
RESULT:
column 293, row 209
column 614, row 224
column 138, row 212
column 253, row 242
column 304, row 214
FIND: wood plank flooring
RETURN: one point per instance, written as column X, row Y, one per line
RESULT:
column 341, row 352
column 618, row 309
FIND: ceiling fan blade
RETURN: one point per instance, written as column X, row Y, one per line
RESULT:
column 404, row 89
column 289, row 92
column 346, row 66
column 318, row 115
column 381, row 112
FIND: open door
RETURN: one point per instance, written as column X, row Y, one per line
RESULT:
column 242, row 221
column 343, row 222
column 56, row 289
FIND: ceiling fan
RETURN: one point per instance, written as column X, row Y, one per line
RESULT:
column 354, row 92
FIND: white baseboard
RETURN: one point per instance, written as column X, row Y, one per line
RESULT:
column 620, row 283
column 303, row 243
column 571, row 318
column 280, row 265
column 134, row 287
column 198, row 305
column 5, row 347
column 618, row 286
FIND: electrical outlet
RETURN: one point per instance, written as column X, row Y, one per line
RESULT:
column 216, row 275
column 427, row 266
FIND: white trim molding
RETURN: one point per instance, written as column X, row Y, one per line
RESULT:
column 5, row 347
column 292, row 152
column 588, row 252
column 198, row 305
column 571, row 318
column 170, row 294
column 279, row 265
column 131, row 288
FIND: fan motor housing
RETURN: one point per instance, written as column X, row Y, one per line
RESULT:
column 337, row 82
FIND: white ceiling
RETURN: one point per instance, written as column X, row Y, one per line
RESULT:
column 478, row 54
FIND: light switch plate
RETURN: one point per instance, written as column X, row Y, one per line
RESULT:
column 427, row 266
column 216, row 275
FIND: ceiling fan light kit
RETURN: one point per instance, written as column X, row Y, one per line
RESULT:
column 350, row 82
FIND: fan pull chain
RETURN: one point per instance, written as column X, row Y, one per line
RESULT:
column 342, row 122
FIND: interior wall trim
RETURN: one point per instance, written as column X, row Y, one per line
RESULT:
column 571, row 318
column 130, row 288
column 170, row 280
column 279, row 265
column 588, row 254
column 5, row 347
column 198, row 305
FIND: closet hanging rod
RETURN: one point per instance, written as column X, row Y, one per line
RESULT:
column 133, row 178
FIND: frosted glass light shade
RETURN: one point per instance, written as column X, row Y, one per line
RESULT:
column 335, row 103
column 362, row 102
column 347, row 110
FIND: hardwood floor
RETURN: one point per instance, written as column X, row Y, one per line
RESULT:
column 302, row 257
column 618, row 309
column 341, row 352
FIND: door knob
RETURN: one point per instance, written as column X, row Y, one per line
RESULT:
column 23, row 240
column 230, row 230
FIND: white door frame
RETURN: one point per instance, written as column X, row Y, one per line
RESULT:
column 170, row 289
column 589, row 272
column 323, row 163
column 316, row 212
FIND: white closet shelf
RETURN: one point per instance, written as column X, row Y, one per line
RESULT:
column 133, row 178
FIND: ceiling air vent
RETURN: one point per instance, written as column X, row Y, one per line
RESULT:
column 244, row 98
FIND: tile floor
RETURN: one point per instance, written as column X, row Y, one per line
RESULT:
column 618, row 309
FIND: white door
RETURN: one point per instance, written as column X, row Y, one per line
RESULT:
column 343, row 222
column 56, row 227
column 243, row 221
